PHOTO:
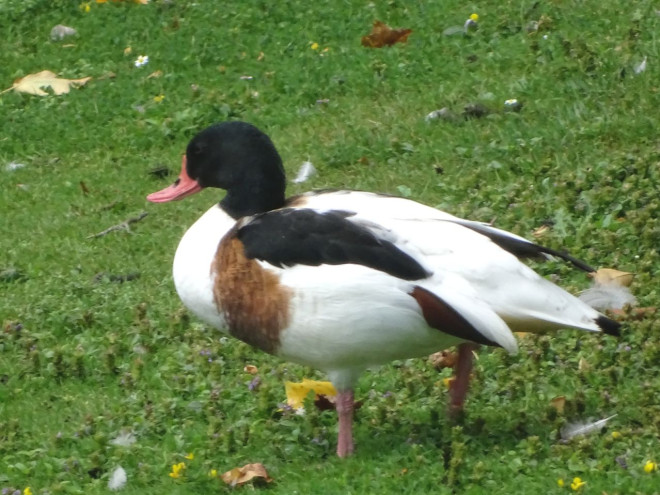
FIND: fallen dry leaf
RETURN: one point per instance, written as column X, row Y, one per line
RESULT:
column 583, row 365
column 541, row 231
column 447, row 382
column 33, row 84
column 610, row 276
column 155, row 75
column 443, row 359
column 240, row 476
column 383, row 35
column 610, row 290
column 634, row 313
column 297, row 392
column 558, row 403
column 250, row 368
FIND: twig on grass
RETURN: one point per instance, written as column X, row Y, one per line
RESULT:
column 125, row 225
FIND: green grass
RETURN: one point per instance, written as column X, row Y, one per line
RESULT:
column 83, row 357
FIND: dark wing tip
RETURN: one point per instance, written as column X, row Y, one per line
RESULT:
column 609, row 326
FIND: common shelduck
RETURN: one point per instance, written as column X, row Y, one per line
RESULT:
column 346, row 280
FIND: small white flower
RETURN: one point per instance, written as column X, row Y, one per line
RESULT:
column 142, row 60
column 511, row 102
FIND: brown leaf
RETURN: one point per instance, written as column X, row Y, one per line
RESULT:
column 610, row 276
column 240, row 476
column 634, row 313
column 558, row 403
column 33, row 83
column 251, row 369
column 382, row 35
column 443, row 359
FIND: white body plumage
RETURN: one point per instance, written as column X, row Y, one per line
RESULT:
column 346, row 318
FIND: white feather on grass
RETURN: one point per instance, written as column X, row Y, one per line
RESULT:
column 124, row 439
column 572, row 430
column 117, row 479
column 604, row 297
column 306, row 171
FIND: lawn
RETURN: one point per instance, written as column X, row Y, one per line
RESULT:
column 95, row 344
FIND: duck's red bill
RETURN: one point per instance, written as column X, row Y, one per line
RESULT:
column 182, row 187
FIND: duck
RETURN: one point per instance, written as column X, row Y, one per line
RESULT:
column 343, row 280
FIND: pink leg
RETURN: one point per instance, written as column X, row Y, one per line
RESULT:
column 459, row 387
column 344, row 403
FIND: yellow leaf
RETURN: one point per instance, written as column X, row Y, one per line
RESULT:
column 34, row 83
column 240, row 476
column 610, row 276
column 297, row 392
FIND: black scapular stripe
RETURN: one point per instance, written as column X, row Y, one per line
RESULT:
column 522, row 248
column 289, row 237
